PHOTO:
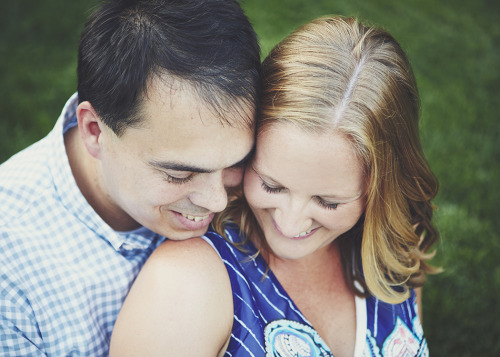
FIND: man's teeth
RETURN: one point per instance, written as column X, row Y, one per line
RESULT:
column 194, row 218
column 304, row 233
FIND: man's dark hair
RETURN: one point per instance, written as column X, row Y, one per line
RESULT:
column 209, row 44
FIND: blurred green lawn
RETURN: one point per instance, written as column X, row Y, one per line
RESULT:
column 455, row 50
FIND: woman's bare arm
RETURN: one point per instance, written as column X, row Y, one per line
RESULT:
column 180, row 305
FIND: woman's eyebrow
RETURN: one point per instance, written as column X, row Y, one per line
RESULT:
column 261, row 175
column 342, row 199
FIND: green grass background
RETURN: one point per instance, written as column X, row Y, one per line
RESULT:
column 454, row 48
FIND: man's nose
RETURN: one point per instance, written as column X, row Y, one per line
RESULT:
column 211, row 193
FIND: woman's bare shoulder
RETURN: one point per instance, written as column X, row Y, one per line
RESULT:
column 181, row 302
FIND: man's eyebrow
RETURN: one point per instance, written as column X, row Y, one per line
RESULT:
column 177, row 166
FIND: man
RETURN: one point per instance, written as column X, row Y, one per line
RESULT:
column 161, row 125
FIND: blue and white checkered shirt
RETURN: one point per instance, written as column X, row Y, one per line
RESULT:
column 64, row 272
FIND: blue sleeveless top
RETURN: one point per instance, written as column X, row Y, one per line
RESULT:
column 267, row 322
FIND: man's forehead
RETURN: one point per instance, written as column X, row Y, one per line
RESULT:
column 223, row 108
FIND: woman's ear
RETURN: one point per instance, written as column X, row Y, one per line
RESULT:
column 90, row 126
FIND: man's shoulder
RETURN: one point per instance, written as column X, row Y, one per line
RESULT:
column 23, row 180
column 30, row 168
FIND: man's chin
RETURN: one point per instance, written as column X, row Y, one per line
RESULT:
column 175, row 233
column 186, row 235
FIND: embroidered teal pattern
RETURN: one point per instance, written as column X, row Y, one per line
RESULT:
column 286, row 338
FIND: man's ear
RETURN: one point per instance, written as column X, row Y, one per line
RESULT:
column 90, row 126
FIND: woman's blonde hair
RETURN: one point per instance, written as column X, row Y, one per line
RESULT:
column 335, row 73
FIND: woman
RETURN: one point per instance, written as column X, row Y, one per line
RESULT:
column 334, row 224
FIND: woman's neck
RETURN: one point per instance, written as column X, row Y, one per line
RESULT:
column 318, row 287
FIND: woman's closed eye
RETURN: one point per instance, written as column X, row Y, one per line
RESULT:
column 270, row 189
column 320, row 201
column 325, row 204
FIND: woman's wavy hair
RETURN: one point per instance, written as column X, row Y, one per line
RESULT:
column 335, row 73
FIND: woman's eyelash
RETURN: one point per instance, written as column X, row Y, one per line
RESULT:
column 323, row 204
column 270, row 189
